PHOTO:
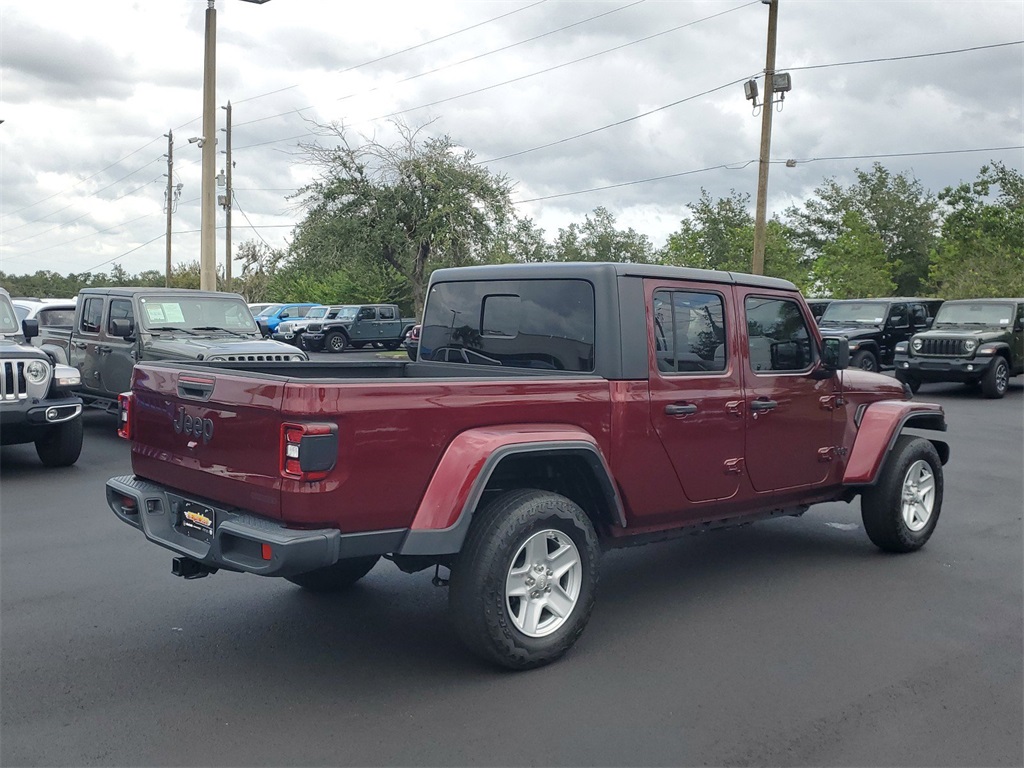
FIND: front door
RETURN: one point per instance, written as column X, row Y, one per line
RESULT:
column 116, row 354
column 696, row 408
column 788, row 412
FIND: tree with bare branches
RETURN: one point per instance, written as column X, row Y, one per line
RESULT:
column 417, row 203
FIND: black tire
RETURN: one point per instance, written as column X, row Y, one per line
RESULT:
column 411, row 353
column 496, row 626
column 336, row 341
column 391, row 346
column 996, row 379
column 914, row 465
column 62, row 444
column 864, row 359
column 334, row 578
column 911, row 381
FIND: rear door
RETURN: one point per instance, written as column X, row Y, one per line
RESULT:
column 83, row 352
column 788, row 413
column 696, row 385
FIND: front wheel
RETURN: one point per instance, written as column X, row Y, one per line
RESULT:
column 337, row 577
column 865, row 360
column 900, row 511
column 996, row 379
column 336, row 342
column 911, row 381
column 62, row 444
column 523, row 587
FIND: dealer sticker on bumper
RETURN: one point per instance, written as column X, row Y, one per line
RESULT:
column 196, row 520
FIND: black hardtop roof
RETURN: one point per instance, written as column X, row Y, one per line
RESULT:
column 590, row 269
column 149, row 291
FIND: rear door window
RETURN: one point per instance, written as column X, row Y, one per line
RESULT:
column 92, row 315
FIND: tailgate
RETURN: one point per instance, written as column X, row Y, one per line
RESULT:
column 212, row 434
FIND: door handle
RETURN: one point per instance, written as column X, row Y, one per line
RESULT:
column 680, row 409
column 79, row 345
column 761, row 405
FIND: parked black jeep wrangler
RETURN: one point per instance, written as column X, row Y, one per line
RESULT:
column 875, row 326
column 974, row 341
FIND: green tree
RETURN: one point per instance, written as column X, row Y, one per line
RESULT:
column 981, row 253
column 598, row 239
column 416, row 204
column 719, row 234
column 896, row 208
column 854, row 265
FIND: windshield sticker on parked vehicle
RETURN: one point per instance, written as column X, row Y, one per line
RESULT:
column 164, row 313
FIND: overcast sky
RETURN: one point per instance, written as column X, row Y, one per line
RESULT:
column 565, row 97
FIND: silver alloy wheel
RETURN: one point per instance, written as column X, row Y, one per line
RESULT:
column 543, row 583
column 918, row 495
column 1002, row 377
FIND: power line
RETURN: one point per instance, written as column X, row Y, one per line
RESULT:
column 453, row 64
column 743, row 164
column 905, row 58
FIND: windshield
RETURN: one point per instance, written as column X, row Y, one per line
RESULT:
column 8, row 320
column 316, row 312
column 974, row 314
column 272, row 309
column 854, row 312
column 187, row 313
column 348, row 313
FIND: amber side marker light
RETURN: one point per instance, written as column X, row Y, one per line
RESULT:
column 268, row 553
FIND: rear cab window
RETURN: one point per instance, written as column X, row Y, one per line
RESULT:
column 531, row 324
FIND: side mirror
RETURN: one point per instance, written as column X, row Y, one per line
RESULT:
column 121, row 327
column 835, row 353
column 283, row 315
column 261, row 323
column 1019, row 324
column 30, row 328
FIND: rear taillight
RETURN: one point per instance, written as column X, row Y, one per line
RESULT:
column 124, row 415
column 308, row 451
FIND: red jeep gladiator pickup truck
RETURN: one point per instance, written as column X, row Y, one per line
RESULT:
column 554, row 410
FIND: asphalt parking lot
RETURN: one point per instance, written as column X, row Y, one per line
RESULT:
column 789, row 642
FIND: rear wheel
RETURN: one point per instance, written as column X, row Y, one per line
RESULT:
column 61, row 445
column 391, row 345
column 337, row 577
column 864, row 359
column 996, row 379
column 900, row 511
column 523, row 587
column 336, row 341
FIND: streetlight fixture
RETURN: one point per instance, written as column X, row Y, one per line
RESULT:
column 208, row 223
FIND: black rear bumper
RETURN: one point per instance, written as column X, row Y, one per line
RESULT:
column 240, row 540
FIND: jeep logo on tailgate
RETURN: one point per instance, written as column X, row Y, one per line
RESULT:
column 194, row 426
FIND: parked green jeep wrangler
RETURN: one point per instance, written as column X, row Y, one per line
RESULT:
column 975, row 341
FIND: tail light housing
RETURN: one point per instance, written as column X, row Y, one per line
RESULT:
column 308, row 451
column 124, row 415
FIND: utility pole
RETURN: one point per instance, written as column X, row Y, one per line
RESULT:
column 227, row 200
column 170, row 203
column 208, row 222
column 760, row 225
